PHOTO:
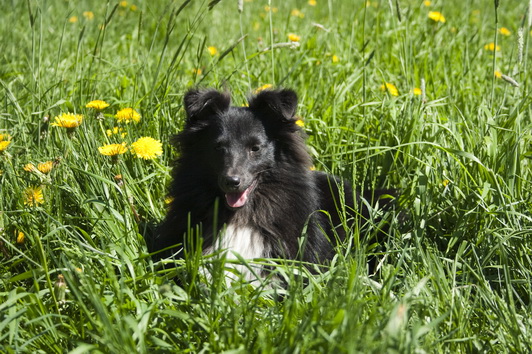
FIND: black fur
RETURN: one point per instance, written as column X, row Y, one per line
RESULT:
column 255, row 156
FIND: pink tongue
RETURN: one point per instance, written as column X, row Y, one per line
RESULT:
column 237, row 199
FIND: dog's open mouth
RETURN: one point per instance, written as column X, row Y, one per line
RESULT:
column 239, row 199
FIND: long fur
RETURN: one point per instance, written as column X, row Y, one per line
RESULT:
column 259, row 153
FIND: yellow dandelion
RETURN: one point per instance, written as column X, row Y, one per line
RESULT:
column 492, row 47
column 4, row 144
column 45, row 167
column 272, row 9
column 127, row 115
column 20, row 237
column 263, row 87
column 68, row 120
column 497, row 74
column 112, row 149
column 504, row 31
column 29, row 167
column 168, row 200
column 33, row 196
column 300, row 123
column 73, row 19
column 417, row 91
column 427, row 3
column 312, row 168
column 115, row 131
column 133, row 7
column 293, row 37
column 335, row 59
column 197, row 71
column 297, row 13
column 89, row 15
column 392, row 90
column 123, row 3
column 436, row 16
column 5, row 141
column 147, row 148
column 445, row 182
column 97, row 105
column 212, row 50
column 312, row 2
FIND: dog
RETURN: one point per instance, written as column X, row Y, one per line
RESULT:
column 244, row 178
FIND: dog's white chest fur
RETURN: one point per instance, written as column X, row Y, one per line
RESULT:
column 244, row 241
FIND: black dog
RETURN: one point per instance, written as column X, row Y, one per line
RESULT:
column 244, row 177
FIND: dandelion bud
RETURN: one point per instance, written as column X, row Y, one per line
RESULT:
column 60, row 288
column 240, row 6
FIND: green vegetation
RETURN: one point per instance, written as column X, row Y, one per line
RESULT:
column 75, row 274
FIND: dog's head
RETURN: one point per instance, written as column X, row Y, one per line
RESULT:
column 235, row 146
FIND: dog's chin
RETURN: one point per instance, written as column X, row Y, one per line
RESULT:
column 238, row 199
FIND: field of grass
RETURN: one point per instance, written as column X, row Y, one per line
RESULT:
column 392, row 95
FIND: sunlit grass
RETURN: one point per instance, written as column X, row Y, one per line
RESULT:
column 390, row 96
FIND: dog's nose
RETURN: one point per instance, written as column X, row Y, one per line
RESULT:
column 232, row 181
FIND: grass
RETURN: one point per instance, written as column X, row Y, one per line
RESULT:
column 456, row 278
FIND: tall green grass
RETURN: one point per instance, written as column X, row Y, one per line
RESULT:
column 455, row 278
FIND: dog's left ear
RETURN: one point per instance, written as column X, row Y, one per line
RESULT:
column 282, row 103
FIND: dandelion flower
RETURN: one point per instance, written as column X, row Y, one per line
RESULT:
column 5, row 140
column 272, row 9
column 29, row 167
column 427, row 3
column 112, row 149
column 168, row 200
column 300, row 123
column 45, row 167
column 504, row 31
column 417, row 91
column 197, row 71
column 263, row 87
column 133, row 7
column 147, row 148
column 123, row 3
column 436, row 16
column 33, row 196
column 492, row 47
column 68, row 120
column 73, row 19
column 212, row 50
column 335, row 59
column 115, row 131
column 97, row 105
column 392, row 90
column 497, row 74
column 4, row 145
column 445, row 182
column 297, row 13
column 89, row 15
column 312, row 2
column 20, row 237
column 127, row 115
column 293, row 37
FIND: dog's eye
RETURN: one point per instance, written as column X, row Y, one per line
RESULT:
column 255, row 148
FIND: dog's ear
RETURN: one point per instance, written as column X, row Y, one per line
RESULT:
column 282, row 103
column 200, row 104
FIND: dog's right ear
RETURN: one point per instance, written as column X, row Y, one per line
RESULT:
column 200, row 104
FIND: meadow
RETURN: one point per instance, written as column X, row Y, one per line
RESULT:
column 429, row 97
